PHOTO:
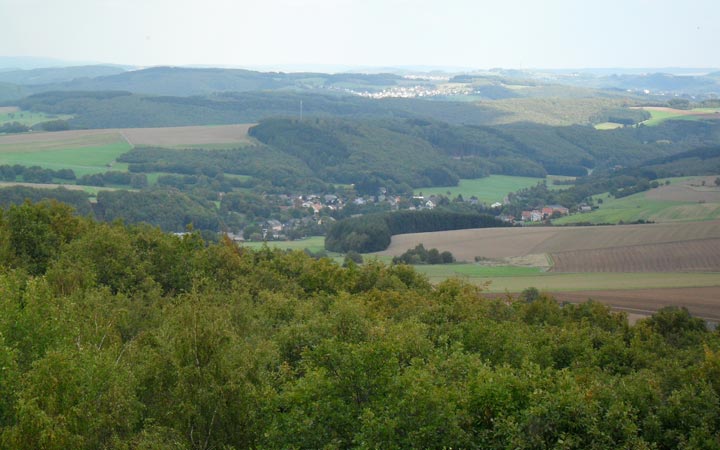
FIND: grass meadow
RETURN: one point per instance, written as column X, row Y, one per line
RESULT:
column 85, row 155
column 490, row 189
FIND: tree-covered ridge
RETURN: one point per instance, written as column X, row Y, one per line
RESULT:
column 123, row 109
column 117, row 337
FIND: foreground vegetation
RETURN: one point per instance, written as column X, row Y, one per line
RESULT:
column 117, row 337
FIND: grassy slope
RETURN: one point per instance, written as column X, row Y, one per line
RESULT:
column 639, row 207
column 659, row 117
column 489, row 189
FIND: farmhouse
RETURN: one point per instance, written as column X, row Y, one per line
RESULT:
column 532, row 216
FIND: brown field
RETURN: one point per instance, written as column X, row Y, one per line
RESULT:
column 688, row 191
column 496, row 243
column 179, row 136
column 703, row 302
column 162, row 137
column 8, row 109
column 49, row 138
column 700, row 255
column 71, row 187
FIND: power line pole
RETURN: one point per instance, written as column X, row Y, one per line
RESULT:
column 301, row 110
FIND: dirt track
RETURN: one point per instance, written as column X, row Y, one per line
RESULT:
column 703, row 302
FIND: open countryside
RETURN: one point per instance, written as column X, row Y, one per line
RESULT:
column 96, row 151
column 491, row 189
column 662, row 113
column 685, row 199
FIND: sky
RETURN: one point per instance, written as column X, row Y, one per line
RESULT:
column 367, row 33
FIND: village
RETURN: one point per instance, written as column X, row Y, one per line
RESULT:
column 317, row 211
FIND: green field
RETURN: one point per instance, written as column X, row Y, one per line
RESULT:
column 28, row 118
column 516, row 279
column 314, row 244
column 658, row 117
column 638, row 207
column 595, row 281
column 86, row 155
column 440, row 272
column 489, row 189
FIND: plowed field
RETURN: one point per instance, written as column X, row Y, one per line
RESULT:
column 702, row 255
column 513, row 242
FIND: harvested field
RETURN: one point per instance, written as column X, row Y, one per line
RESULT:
column 161, row 137
column 691, row 190
column 494, row 243
column 703, row 302
column 8, row 109
column 701, row 255
column 188, row 136
column 56, row 140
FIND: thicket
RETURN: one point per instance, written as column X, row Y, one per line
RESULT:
column 421, row 255
column 372, row 232
column 126, row 337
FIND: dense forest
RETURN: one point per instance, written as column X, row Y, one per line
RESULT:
column 123, row 109
column 400, row 155
column 126, row 337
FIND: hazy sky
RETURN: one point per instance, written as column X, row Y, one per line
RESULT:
column 464, row 33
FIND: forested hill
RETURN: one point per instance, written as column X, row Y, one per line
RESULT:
column 183, row 81
column 122, row 109
column 117, row 337
column 403, row 149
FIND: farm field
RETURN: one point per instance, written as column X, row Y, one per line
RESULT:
column 562, row 282
column 660, row 114
column 84, row 152
column 701, row 255
column 93, row 190
column 95, row 151
column 684, row 200
column 496, row 243
column 703, row 302
column 490, row 189
column 313, row 243
column 214, row 137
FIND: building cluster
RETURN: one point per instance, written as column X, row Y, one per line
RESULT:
column 415, row 91
column 544, row 213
